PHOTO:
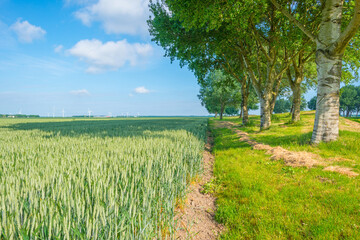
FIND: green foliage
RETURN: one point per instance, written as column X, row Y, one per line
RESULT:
column 219, row 91
column 282, row 106
column 312, row 103
column 303, row 104
column 95, row 179
column 350, row 99
column 231, row 111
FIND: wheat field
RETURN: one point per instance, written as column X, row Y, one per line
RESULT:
column 96, row 178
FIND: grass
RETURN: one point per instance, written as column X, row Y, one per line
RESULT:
column 95, row 179
column 356, row 119
column 258, row 198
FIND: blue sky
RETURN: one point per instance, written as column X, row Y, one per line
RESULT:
column 81, row 55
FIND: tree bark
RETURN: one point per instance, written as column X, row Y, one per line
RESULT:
column 328, row 63
column 295, row 117
column 245, row 90
column 245, row 113
column 265, row 112
column 222, row 111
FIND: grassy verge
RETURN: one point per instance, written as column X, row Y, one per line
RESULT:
column 356, row 119
column 263, row 199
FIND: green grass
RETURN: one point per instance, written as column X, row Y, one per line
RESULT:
column 95, row 179
column 258, row 198
column 356, row 119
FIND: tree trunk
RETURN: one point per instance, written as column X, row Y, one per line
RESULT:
column 265, row 112
column 328, row 64
column 245, row 90
column 216, row 114
column 222, row 111
column 245, row 117
column 326, row 126
column 296, row 105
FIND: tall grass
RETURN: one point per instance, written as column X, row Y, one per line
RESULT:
column 108, row 179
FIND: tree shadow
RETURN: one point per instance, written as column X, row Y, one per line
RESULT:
column 113, row 127
column 287, row 140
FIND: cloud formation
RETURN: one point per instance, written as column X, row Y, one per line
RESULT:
column 81, row 92
column 141, row 90
column 27, row 32
column 58, row 48
column 117, row 16
column 110, row 55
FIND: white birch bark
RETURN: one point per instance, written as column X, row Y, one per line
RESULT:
column 329, row 63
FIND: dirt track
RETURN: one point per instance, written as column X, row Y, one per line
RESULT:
column 196, row 218
column 290, row 158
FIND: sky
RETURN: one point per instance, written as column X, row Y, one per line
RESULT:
column 76, row 56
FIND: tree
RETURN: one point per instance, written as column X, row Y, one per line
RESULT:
column 219, row 91
column 348, row 99
column 231, row 111
column 282, row 106
column 336, row 30
column 202, row 50
column 357, row 101
column 312, row 103
column 248, row 31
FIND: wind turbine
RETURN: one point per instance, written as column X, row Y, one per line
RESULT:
column 63, row 113
column 89, row 111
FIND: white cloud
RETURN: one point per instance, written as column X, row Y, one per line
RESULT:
column 141, row 90
column 110, row 55
column 117, row 16
column 27, row 32
column 58, row 48
column 81, row 92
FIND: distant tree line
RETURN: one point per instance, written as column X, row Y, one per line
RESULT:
column 18, row 116
column 350, row 100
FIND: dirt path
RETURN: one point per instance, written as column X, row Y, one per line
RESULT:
column 196, row 218
column 350, row 125
column 290, row 158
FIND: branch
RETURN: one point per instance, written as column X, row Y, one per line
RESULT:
column 230, row 70
column 255, row 32
column 249, row 69
column 340, row 44
column 287, row 64
column 293, row 20
column 308, row 56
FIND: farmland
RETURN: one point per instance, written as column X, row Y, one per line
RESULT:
column 95, row 179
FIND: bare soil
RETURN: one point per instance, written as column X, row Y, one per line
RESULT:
column 350, row 125
column 290, row 158
column 195, row 219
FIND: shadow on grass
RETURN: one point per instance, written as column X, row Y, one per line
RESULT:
column 112, row 128
column 296, row 139
column 229, row 140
